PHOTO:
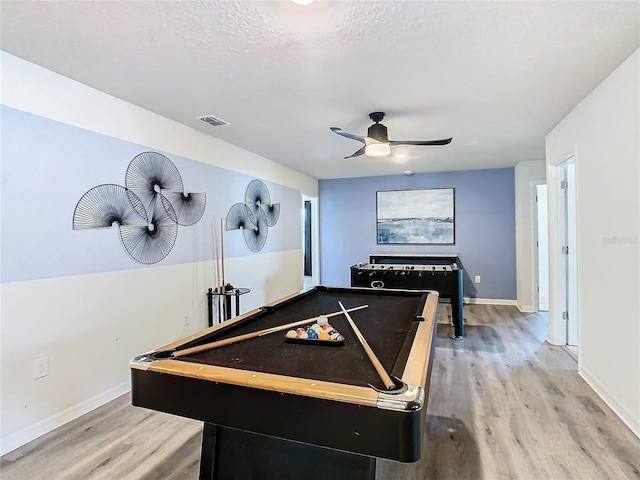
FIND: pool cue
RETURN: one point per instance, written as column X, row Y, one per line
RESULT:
column 217, row 270
column 222, row 251
column 384, row 376
column 215, row 255
column 260, row 333
column 224, row 285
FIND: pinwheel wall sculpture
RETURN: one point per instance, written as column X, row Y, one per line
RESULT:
column 254, row 216
column 147, row 210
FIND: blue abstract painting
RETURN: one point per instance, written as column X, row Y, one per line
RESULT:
column 416, row 216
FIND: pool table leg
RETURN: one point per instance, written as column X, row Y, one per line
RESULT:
column 456, row 308
column 232, row 454
column 208, row 454
column 456, row 317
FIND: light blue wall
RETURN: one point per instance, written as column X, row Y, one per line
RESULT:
column 46, row 168
column 485, row 226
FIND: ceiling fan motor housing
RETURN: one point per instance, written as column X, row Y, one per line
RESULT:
column 378, row 132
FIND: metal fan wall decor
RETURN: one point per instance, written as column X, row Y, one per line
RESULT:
column 147, row 210
column 254, row 216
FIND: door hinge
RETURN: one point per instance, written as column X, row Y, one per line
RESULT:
column 565, row 250
column 565, row 315
column 564, row 184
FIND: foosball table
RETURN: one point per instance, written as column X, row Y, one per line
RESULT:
column 442, row 273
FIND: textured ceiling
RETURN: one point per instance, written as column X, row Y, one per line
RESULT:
column 497, row 76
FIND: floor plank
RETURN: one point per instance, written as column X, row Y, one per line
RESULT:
column 504, row 404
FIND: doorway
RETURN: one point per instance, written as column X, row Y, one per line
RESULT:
column 306, row 248
column 310, row 241
column 542, row 248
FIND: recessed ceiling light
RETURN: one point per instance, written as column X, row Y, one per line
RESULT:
column 302, row 2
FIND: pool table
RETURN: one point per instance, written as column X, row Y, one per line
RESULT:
column 275, row 409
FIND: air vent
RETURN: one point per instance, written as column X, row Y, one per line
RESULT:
column 213, row 121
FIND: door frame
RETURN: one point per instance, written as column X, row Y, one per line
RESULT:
column 536, row 233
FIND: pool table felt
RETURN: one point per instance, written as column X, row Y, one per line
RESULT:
column 388, row 325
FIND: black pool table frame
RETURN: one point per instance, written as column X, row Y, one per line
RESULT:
column 313, row 428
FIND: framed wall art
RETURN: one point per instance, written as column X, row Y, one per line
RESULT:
column 424, row 217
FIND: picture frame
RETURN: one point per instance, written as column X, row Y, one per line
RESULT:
column 416, row 217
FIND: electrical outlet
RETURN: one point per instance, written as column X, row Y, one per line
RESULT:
column 40, row 367
column 477, row 278
column 186, row 320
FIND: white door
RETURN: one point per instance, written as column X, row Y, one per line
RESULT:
column 571, row 257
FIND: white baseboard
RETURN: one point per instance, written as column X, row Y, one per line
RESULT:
column 24, row 436
column 624, row 415
column 489, row 301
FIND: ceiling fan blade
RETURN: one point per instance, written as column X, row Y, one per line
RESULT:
column 356, row 154
column 339, row 131
column 445, row 141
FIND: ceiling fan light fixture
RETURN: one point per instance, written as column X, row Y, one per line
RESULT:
column 376, row 149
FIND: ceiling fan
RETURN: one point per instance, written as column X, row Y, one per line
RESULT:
column 377, row 143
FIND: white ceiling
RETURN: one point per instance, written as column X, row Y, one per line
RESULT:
column 497, row 76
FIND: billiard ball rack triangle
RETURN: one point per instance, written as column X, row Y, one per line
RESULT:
column 318, row 333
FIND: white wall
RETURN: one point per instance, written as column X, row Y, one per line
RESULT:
column 90, row 326
column 527, row 174
column 603, row 132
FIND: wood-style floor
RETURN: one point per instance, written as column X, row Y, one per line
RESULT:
column 503, row 405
